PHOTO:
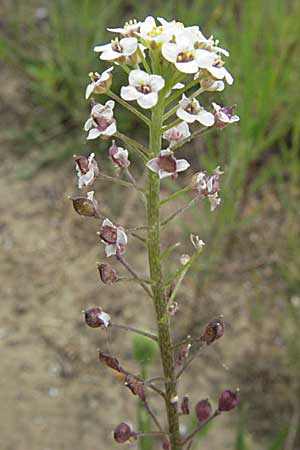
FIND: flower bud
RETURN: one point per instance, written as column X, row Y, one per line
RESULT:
column 185, row 405
column 183, row 354
column 110, row 361
column 86, row 206
column 228, row 400
column 108, row 275
column 203, row 410
column 184, row 260
column 82, row 163
column 96, row 317
column 122, row 433
column 214, row 330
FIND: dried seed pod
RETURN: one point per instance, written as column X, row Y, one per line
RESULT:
column 228, row 400
column 110, row 361
column 96, row 317
column 183, row 354
column 136, row 387
column 185, row 406
column 122, row 433
column 166, row 444
column 86, row 206
column 108, row 275
column 214, row 330
column 203, row 410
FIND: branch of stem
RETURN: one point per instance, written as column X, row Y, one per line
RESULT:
column 130, row 108
column 200, row 426
column 134, row 274
column 135, row 330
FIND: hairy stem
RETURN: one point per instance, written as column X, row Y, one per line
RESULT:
column 164, row 338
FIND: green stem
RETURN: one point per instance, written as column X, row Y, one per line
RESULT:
column 176, row 194
column 130, row 108
column 139, row 148
column 164, row 338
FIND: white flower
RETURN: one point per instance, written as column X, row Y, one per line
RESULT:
column 224, row 115
column 209, row 186
column 197, row 242
column 99, row 83
column 186, row 58
column 177, row 133
column 219, row 72
column 166, row 165
column 143, row 88
column 101, row 121
column 119, row 156
column 150, row 31
column 117, row 49
column 211, row 85
column 114, row 238
column 129, row 29
column 191, row 111
column 87, row 170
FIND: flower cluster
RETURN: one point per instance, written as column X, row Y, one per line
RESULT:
column 168, row 66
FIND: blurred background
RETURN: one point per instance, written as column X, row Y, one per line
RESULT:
column 54, row 393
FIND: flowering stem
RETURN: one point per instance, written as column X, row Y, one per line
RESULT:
column 133, row 273
column 144, row 61
column 200, row 426
column 176, row 194
column 171, row 124
column 133, row 182
column 180, row 210
column 190, row 360
column 130, row 108
column 139, row 148
column 178, row 92
column 164, row 338
column 153, row 416
column 135, row 330
column 120, row 182
column 180, row 279
column 150, row 433
column 192, row 136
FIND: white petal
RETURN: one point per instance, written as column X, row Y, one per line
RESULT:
column 156, row 83
column 153, row 165
column 110, row 55
column 170, row 52
column 205, row 118
column 121, row 237
column 129, row 45
column 228, row 77
column 105, row 318
column 110, row 130
column 178, row 86
column 88, row 124
column 129, row 93
column 187, row 67
column 102, row 48
column 181, row 165
column 185, row 116
column 148, row 101
column 204, row 58
column 138, row 77
column 216, row 106
column 110, row 250
column 163, row 173
column 107, row 223
column 93, row 134
column 89, row 90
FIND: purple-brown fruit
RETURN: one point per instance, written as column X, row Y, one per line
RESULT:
column 228, row 400
column 203, row 410
column 122, row 433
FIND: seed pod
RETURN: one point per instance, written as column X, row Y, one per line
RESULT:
column 165, row 444
column 96, row 317
column 108, row 275
column 203, row 410
column 136, row 387
column 122, row 433
column 214, row 330
column 110, row 361
column 185, row 406
column 86, row 206
column 228, row 400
